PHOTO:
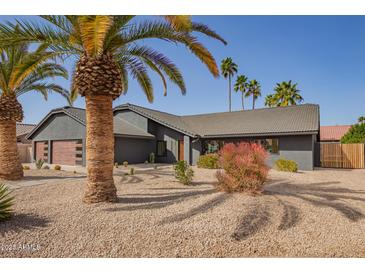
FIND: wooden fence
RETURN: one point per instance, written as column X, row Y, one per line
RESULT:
column 25, row 152
column 342, row 155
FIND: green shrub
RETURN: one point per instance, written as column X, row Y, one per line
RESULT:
column 26, row 167
column 6, row 202
column 356, row 134
column 39, row 163
column 131, row 171
column 183, row 172
column 151, row 158
column 125, row 163
column 57, row 167
column 45, row 167
column 208, row 161
column 286, row 165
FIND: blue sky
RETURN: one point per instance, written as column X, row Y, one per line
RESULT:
column 325, row 55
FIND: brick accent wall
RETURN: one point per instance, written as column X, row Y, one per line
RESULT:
column 41, row 150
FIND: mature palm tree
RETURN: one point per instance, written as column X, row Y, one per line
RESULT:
column 361, row 119
column 21, row 71
column 286, row 94
column 228, row 68
column 254, row 90
column 107, row 49
column 242, row 86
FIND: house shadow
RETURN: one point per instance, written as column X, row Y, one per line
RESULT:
column 19, row 222
column 323, row 195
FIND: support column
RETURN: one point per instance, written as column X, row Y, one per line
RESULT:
column 187, row 149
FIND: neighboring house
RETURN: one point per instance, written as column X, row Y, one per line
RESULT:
column 333, row 134
column 22, row 130
column 289, row 132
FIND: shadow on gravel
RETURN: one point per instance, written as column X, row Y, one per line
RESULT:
column 20, row 222
column 40, row 178
column 324, row 194
column 157, row 201
column 209, row 205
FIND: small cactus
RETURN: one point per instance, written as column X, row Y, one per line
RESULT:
column 125, row 163
column 131, row 171
column 39, row 163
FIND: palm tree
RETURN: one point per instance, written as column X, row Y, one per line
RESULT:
column 109, row 49
column 286, row 94
column 242, row 86
column 361, row 119
column 254, row 90
column 21, row 71
column 228, row 69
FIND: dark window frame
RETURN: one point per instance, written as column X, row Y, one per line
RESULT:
column 165, row 148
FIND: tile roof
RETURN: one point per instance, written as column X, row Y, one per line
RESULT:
column 333, row 133
column 298, row 119
column 22, row 129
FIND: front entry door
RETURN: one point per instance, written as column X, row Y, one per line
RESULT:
column 181, row 150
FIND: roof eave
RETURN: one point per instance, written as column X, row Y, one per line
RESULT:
column 261, row 134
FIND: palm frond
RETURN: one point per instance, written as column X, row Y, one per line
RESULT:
column 93, row 30
column 179, row 22
column 207, row 31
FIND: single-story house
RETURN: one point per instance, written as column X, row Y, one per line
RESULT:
column 289, row 132
column 333, row 134
column 22, row 130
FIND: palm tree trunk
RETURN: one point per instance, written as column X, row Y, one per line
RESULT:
column 243, row 106
column 99, row 149
column 229, row 88
column 10, row 166
column 253, row 102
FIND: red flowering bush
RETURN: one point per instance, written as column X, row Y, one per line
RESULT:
column 244, row 167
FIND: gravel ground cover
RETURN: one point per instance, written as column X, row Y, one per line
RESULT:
column 307, row 214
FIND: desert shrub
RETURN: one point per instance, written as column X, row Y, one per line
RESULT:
column 146, row 162
column 39, row 163
column 131, row 171
column 155, row 166
column 116, row 165
column 26, row 167
column 151, row 158
column 183, row 172
column 57, row 167
column 6, row 202
column 125, row 163
column 208, row 161
column 75, row 172
column 244, row 167
column 356, row 134
column 45, row 167
column 286, row 165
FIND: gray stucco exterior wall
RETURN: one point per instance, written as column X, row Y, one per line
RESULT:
column 187, row 149
column 298, row 148
column 196, row 150
column 132, row 150
column 60, row 127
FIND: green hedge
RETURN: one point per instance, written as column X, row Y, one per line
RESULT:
column 356, row 134
column 208, row 161
column 286, row 165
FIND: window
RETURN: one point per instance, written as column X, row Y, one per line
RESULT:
column 271, row 145
column 161, row 148
column 212, row 146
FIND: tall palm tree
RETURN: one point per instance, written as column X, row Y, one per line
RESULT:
column 228, row 69
column 109, row 49
column 361, row 119
column 242, row 86
column 254, row 90
column 286, row 94
column 21, row 71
